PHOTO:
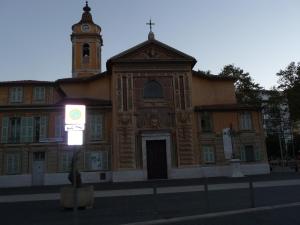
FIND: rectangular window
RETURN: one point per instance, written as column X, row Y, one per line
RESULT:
column 16, row 94
column 13, row 163
column 245, row 121
column 206, row 122
column 39, row 94
column 66, row 161
column 96, row 160
column 4, row 130
column 27, row 129
column 24, row 129
column 59, row 126
column 96, row 127
column 247, row 153
column 14, row 130
column 208, row 153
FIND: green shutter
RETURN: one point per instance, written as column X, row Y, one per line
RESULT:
column 257, row 155
column 13, row 163
column 87, row 161
column 27, row 129
column 96, row 127
column 104, row 160
column 58, row 126
column 43, row 127
column 4, row 130
column 243, row 154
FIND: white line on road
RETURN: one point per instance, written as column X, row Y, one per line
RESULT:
column 213, row 215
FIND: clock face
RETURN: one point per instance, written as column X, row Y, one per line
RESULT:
column 85, row 27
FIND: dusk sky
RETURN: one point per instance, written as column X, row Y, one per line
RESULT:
column 259, row 36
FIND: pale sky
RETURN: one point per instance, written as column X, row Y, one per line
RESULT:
column 260, row 36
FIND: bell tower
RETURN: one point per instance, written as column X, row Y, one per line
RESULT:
column 86, row 46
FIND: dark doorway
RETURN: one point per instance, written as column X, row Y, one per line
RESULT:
column 249, row 153
column 156, row 159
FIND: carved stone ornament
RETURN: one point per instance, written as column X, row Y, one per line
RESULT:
column 152, row 53
column 125, row 120
column 185, row 117
column 155, row 123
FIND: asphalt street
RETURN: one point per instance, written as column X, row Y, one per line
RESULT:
column 149, row 207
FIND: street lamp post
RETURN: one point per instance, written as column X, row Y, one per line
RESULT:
column 74, row 125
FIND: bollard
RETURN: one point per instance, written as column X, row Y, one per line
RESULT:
column 206, row 199
column 252, row 197
column 155, row 199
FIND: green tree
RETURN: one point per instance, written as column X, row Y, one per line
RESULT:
column 289, row 77
column 247, row 91
column 289, row 83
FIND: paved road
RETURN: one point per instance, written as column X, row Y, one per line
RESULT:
column 282, row 216
column 129, row 209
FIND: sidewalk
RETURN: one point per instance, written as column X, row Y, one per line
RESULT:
column 156, row 183
column 147, row 188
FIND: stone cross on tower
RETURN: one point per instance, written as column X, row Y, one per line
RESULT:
column 150, row 25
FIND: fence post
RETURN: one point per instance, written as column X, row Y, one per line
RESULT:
column 251, row 189
column 206, row 199
column 155, row 198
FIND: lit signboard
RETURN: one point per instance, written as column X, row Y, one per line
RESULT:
column 75, row 114
column 74, row 123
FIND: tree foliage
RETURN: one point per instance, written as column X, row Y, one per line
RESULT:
column 289, row 82
column 247, row 91
column 289, row 77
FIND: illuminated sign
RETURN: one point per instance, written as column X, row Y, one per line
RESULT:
column 74, row 123
column 75, row 114
column 75, row 137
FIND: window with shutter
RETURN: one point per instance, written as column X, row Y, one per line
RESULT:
column 66, row 161
column 58, row 126
column 13, row 163
column 16, row 94
column 245, row 121
column 4, row 130
column 208, row 153
column 27, row 129
column 96, row 127
column 39, row 94
column 242, row 154
column 43, row 127
column 257, row 155
column 206, row 122
column 96, row 160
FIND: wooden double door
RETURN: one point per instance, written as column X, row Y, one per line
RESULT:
column 156, row 159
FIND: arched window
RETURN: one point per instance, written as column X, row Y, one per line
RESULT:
column 85, row 53
column 86, row 50
column 153, row 89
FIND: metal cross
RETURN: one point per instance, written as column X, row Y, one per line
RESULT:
column 150, row 24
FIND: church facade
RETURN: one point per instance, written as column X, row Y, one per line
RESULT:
column 149, row 116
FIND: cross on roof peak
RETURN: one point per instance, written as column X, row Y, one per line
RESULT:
column 150, row 24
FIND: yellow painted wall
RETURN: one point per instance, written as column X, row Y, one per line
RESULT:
column 97, row 89
column 212, row 92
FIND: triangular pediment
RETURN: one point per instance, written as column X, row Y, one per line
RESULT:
column 152, row 50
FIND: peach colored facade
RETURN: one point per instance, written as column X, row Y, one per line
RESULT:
column 149, row 116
